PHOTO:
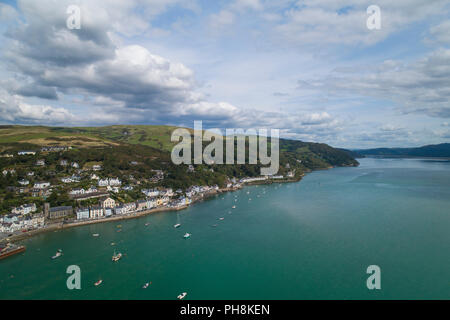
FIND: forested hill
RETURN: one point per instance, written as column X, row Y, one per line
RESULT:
column 125, row 151
column 436, row 150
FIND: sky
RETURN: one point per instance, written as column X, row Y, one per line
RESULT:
column 312, row 69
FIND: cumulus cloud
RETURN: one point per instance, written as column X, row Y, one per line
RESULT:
column 126, row 82
column 325, row 22
column 440, row 33
column 14, row 110
column 421, row 87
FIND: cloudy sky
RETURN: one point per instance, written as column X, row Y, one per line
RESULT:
column 310, row 68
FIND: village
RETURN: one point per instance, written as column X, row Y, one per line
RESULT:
column 95, row 197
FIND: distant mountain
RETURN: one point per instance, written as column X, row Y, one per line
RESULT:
column 436, row 150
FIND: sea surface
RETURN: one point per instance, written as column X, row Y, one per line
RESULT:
column 313, row 239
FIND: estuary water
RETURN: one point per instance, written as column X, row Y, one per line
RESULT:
column 313, row 239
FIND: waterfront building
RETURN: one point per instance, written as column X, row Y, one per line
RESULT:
column 57, row 212
column 96, row 212
column 141, row 205
column 107, row 202
column 82, row 213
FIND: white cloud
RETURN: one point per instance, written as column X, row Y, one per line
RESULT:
column 14, row 110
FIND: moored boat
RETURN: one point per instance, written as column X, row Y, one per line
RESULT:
column 116, row 257
column 186, row 235
column 57, row 254
column 99, row 282
column 181, row 296
column 10, row 250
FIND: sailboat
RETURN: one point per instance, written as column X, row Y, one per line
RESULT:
column 116, row 257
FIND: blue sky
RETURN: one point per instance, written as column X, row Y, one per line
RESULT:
column 309, row 68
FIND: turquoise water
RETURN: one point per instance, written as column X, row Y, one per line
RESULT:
column 308, row 240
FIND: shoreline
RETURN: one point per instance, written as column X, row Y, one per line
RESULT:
column 61, row 225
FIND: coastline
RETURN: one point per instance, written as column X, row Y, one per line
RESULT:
column 61, row 225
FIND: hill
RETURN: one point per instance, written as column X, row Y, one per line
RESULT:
column 437, row 150
column 137, row 155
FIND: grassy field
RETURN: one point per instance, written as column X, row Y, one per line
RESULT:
column 312, row 155
column 50, row 136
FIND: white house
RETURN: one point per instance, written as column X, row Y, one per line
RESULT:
column 83, row 213
column 96, row 212
column 167, row 192
column 152, row 203
column 103, row 182
column 67, row 180
column 10, row 171
column 24, row 209
column 40, row 162
column 26, row 153
column 75, row 165
column 41, row 185
column 91, row 189
column 115, row 182
column 77, row 191
column 24, row 182
column 150, row 192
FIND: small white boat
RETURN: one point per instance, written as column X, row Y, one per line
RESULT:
column 99, row 282
column 147, row 223
column 234, row 207
column 186, row 235
column 181, row 296
column 116, row 257
column 221, row 218
column 95, row 234
column 57, row 254
column 145, row 286
column 177, row 225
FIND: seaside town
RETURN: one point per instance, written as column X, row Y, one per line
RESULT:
column 95, row 197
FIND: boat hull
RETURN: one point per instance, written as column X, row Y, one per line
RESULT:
column 12, row 252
